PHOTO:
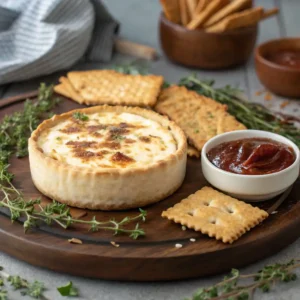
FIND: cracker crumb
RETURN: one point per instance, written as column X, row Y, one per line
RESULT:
column 183, row 228
column 268, row 96
column 115, row 244
column 75, row 241
column 178, row 245
column 284, row 103
column 193, row 240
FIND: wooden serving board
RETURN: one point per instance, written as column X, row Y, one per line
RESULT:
column 150, row 258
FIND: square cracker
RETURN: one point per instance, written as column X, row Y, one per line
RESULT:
column 110, row 87
column 200, row 118
column 72, row 92
column 62, row 90
column 65, row 88
column 216, row 214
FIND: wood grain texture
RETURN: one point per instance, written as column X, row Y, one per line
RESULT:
column 153, row 257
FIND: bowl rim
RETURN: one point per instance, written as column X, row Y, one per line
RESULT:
column 202, row 31
column 271, row 64
column 235, row 175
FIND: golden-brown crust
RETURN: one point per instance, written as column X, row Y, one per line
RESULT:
column 110, row 207
column 60, row 180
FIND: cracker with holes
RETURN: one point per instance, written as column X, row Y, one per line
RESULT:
column 201, row 118
column 216, row 214
column 98, row 87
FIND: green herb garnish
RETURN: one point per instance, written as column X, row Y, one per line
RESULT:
column 117, row 137
column 15, row 129
column 3, row 295
column 137, row 67
column 33, row 289
column 233, row 287
column 80, row 116
column 68, row 290
column 56, row 212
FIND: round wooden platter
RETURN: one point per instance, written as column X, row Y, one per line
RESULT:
column 150, row 258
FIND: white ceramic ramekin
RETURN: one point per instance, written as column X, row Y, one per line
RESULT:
column 249, row 187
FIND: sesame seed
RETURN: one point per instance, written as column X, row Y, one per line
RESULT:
column 193, row 240
column 178, row 246
column 274, row 212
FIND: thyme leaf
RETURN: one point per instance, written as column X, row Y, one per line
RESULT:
column 237, row 286
column 68, row 290
column 80, row 116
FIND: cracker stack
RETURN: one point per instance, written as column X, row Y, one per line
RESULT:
column 201, row 118
column 110, row 87
column 216, row 214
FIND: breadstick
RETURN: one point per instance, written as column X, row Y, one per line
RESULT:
column 229, row 9
column 201, row 6
column 184, row 14
column 171, row 10
column 241, row 19
column 211, row 8
column 270, row 13
column 191, row 5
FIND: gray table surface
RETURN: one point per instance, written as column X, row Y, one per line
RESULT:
column 139, row 24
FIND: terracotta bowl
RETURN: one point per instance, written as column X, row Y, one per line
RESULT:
column 200, row 49
column 280, row 80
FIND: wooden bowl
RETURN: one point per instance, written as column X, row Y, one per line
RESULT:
column 200, row 49
column 281, row 80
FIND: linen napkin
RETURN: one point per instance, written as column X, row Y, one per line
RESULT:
column 40, row 37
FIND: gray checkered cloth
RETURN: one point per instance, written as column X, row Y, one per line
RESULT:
column 39, row 37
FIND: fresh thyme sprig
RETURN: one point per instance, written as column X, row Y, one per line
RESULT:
column 137, row 67
column 33, row 289
column 56, row 212
column 16, row 128
column 231, row 288
column 252, row 115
